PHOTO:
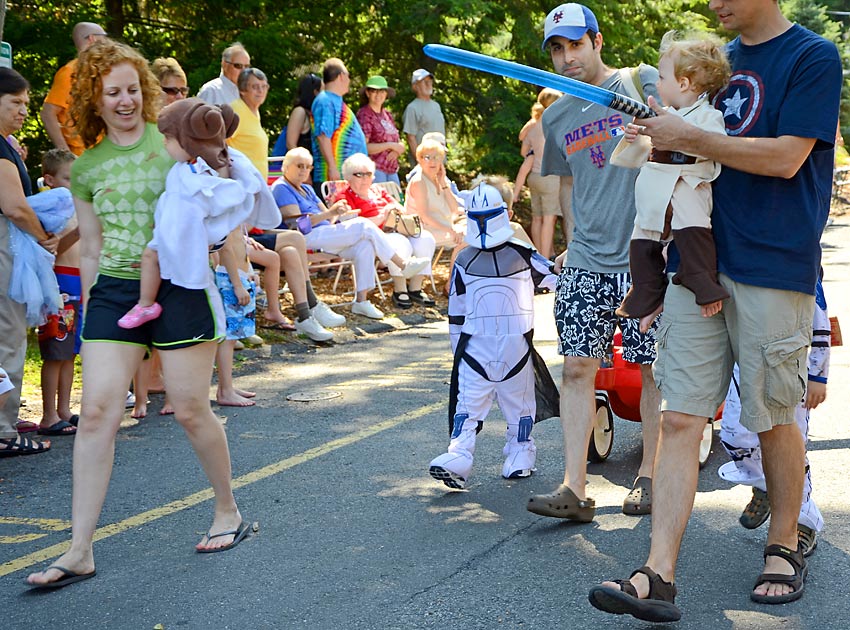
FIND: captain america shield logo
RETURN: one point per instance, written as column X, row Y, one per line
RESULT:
column 741, row 102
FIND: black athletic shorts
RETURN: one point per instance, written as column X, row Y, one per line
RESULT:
column 188, row 315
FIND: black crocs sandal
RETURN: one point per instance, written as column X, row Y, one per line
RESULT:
column 657, row 607
column 402, row 300
column 797, row 581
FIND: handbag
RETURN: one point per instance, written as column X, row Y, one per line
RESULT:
column 405, row 224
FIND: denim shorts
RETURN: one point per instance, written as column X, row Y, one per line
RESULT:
column 240, row 321
column 766, row 331
column 584, row 315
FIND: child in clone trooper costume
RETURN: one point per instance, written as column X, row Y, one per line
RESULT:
column 491, row 319
column 690, row 70
column 743, row 445
column 210, row 191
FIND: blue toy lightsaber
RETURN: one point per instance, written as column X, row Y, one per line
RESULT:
column 510, row 69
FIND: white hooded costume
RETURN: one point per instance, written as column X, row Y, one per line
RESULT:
column 491, row 324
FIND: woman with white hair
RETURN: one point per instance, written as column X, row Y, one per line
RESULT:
column 355, row 238
column 375, row 203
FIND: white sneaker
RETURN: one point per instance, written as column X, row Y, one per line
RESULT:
column 253, row 340
column 131, row 400
column 367, row 309
column 326, row 317
column 414, row 266
column 313, row 330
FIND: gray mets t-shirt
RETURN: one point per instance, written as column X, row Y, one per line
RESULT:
column 580, row 138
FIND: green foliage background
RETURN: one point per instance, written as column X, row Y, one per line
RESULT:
column 287, row 39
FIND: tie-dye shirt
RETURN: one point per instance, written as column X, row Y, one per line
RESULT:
column 333, row 118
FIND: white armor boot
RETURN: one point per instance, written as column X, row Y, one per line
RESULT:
column 520, row 452
column 454, row 467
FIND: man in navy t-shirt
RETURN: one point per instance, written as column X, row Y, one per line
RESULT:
column 771, row 203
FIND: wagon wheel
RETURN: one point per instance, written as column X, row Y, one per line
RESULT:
column 602, row 436
column 706, row 444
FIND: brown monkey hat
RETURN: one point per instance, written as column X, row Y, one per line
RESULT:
column 200, row 128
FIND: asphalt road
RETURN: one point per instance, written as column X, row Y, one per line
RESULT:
column 353, row 533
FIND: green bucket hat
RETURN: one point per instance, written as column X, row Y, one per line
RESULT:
column 378, row 83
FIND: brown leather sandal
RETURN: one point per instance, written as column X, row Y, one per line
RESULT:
column 658, row 605
column 797, row 580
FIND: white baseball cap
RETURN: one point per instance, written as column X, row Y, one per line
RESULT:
column 419, row 74
column 569, row 20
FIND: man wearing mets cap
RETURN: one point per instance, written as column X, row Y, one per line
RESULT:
column 422, row 113
column 594, row 272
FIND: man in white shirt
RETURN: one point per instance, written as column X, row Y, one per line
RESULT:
column 223, row 90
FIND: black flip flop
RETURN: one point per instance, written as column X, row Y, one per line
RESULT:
column 75, row 420
column 240, row 533
column 59, row 429
column 68, row 577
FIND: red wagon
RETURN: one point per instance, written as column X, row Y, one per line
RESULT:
column 618, row 386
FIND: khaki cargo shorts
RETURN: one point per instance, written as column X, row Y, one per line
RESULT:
column 766, row 331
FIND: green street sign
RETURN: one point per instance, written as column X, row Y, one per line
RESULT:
column 5, row 55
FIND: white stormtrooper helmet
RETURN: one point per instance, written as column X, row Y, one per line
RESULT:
column 487, row 223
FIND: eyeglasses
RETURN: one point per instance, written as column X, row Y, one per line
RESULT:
column 304, row 167
column 430, row 158
column 366, row 174
column 239, row 66
column 174, row 91
column 260, row 87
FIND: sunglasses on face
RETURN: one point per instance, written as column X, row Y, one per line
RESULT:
column 365, row 174
column 239, row 66
column 174, row 91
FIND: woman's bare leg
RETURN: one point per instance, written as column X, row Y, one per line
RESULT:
column 188, row 372
column 107, row 370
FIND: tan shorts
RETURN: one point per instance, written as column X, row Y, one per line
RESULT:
column 545, row 194
column 766, row 331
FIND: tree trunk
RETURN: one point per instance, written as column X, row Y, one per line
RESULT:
column 115, row 22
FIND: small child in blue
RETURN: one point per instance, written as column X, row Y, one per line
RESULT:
column 237, row 283
column 744, row 448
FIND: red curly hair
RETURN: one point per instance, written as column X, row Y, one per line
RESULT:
column 95, row 62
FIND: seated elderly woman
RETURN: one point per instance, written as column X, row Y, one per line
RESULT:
column 373, row 202
column 429, row 195
column 355, row 238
